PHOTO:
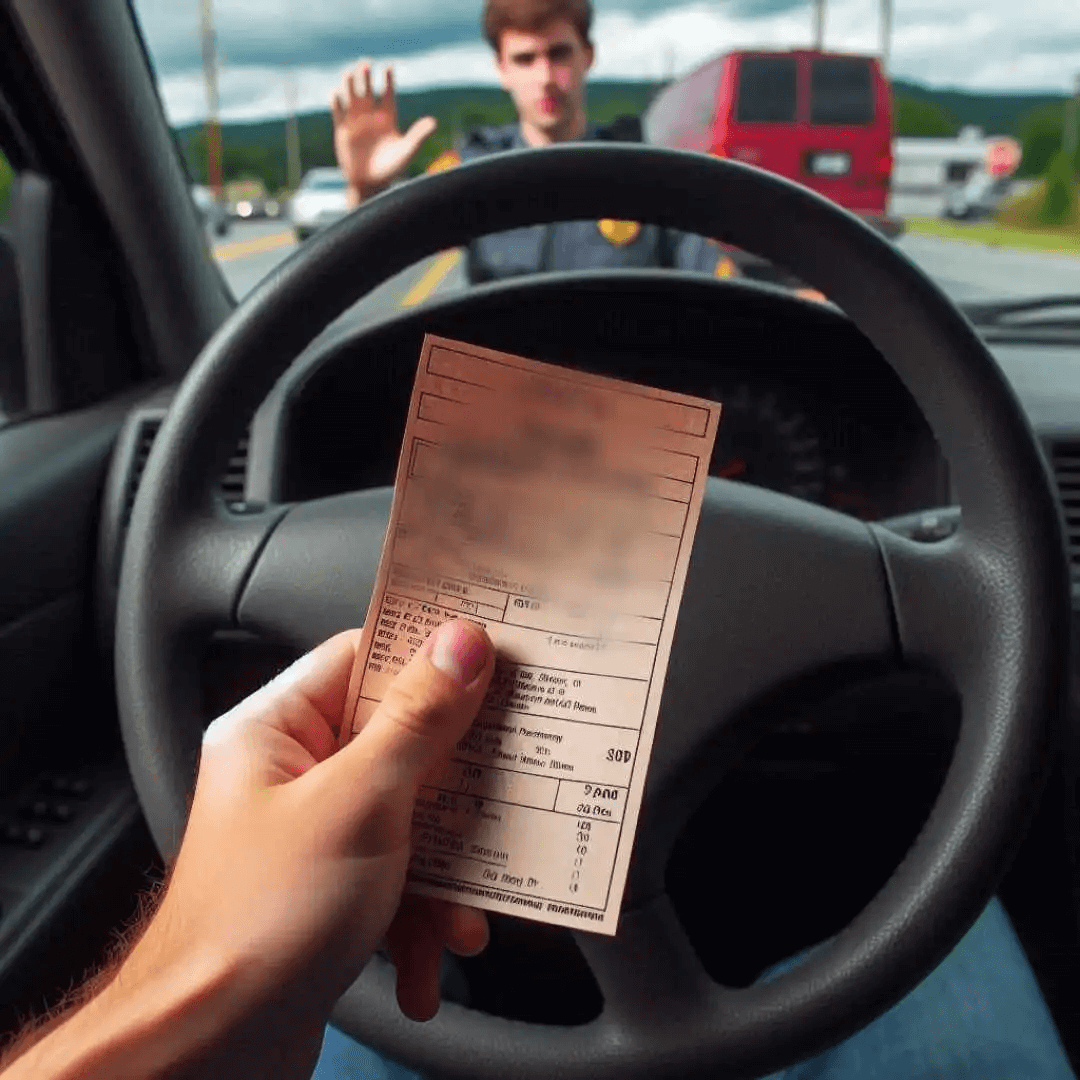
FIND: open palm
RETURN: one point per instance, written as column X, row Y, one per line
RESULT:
column 370, row 149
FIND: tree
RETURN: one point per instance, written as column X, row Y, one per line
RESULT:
column 915, row 117
column 1040, row 137
column 1059, row 199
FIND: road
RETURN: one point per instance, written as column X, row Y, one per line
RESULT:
column 964, row 271
column 253, row 249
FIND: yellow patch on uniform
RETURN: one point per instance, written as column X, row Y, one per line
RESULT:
column 446, row 160
column 725, row 267
column 619, row 233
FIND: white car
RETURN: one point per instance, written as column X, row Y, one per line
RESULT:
column 320, row 200
column 214, row 214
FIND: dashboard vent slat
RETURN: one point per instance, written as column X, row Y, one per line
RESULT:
column 233, row 481
column 1065, row 458
column 144, row 440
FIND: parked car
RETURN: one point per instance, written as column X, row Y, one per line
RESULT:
column 248, row 199
column 320, row 200
column 215, row 214
column 978, row 198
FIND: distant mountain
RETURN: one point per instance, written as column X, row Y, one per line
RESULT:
column 258, row 148
column 996, row 113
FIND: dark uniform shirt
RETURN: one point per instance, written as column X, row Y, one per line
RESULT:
column 576, row 245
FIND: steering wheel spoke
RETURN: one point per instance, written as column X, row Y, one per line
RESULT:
column 778, row 590
column 315, row 575
column 648, row 973
column 209, row 561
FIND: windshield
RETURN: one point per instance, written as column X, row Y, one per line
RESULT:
column 949, row 128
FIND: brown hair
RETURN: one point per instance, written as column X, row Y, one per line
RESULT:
column 534, row 15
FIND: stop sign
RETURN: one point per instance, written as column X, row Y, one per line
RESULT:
column 1002, row 157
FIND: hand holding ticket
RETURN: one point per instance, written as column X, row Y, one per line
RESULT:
column 557, row 509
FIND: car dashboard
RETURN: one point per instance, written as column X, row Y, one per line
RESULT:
column 815, row 413
column 811, row 408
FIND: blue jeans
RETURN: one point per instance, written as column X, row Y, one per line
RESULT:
column 978, row 1015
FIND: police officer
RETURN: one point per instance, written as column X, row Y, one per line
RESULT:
column 543, row 54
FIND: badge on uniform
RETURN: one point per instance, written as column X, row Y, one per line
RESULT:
column 619, row 233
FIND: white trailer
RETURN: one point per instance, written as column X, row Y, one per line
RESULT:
column 959, row 177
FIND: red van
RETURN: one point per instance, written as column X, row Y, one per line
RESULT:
column 823, row 119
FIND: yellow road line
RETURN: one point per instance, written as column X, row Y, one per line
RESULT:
column 432, row 277
column 240, row 249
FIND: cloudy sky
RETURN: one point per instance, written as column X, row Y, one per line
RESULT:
column 975, row 44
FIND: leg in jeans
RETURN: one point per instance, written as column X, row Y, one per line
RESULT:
column 343, row 1058
column 978, row 1016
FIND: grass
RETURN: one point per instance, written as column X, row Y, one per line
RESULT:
column 1018, row 223
column 994, row 234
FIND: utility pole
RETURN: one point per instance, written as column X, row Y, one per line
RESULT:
column 1069, row 134
column 819, row 24
column 886, row 34
column 292, row 133
column 208, row 39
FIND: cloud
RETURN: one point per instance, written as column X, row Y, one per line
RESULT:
column 314, row 33
column 976, row 44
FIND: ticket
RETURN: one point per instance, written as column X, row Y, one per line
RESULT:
column 557, row 509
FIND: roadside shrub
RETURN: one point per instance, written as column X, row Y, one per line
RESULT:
column 1025, row 211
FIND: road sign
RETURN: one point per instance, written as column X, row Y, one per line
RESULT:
column 1002, row 157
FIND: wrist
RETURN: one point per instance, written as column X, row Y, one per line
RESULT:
column 358, row 193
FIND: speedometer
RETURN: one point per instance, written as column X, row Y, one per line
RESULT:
column 765, row 441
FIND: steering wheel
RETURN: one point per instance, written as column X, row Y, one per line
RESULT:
column 776, row 588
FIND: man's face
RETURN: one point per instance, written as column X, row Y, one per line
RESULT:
column 545, row 73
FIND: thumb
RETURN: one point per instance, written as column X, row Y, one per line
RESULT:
column 419, row 131
column 425, row 711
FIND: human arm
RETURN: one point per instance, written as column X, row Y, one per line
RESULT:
column 371, row 151
column 289, row 876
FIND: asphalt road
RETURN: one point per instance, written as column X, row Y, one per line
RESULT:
column 965, row 271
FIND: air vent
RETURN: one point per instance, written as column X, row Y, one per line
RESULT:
column 144, row 439
column 233, row 481
column 1066, row 459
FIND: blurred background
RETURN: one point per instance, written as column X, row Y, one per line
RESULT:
column 977, row 103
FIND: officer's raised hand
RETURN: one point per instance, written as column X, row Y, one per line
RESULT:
column 370, row 149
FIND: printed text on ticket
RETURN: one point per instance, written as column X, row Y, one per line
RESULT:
column 557, row 509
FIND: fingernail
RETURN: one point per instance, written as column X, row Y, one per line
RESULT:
column 460, row 650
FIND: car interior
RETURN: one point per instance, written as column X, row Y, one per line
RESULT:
column 108, row 299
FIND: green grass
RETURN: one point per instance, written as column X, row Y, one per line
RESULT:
column 1062, row 241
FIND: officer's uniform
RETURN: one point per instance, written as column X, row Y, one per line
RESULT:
column 576, row 245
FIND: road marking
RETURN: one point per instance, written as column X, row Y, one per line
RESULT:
column 240, row 249
column 432, row 277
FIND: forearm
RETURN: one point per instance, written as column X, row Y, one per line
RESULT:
column 189, row 1024
column 138, row 1018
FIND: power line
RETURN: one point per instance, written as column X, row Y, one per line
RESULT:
column 292, row 133
column 208, row 42
column 886, row 34
column 819, row 24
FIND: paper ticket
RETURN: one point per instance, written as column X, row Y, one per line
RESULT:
column 557, row 509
